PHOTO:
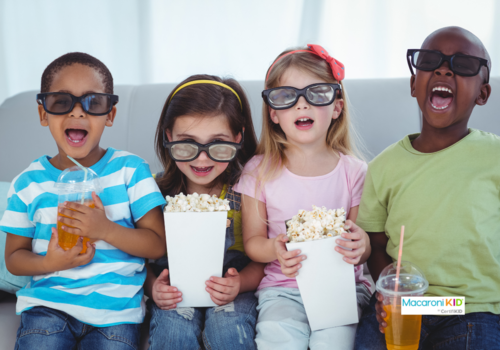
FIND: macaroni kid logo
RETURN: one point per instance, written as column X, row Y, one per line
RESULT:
column 433, row 306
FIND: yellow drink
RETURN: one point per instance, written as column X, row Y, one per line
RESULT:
column 69, row 240
column 402, row 331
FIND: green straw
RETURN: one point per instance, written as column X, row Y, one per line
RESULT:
column 85, row 170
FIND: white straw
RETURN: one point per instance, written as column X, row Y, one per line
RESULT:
column 85, row 170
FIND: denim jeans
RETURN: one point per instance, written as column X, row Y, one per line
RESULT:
column 283, row 324
column 231, row 326
column 48, row 329
column 474, row 331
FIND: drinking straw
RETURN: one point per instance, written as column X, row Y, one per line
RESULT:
column 85, row 179
column 399, row 262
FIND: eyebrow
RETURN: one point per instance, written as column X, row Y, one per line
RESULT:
column 85, row 93
column 211, row 136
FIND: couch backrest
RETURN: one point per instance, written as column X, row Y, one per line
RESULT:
column 382, row 112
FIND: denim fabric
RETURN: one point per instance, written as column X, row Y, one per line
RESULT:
column 283, row 324
column 473, row 331
column 231, row 326
column 48, row 329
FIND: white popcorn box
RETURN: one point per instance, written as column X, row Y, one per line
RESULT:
column 195, row 248
column 327, row 284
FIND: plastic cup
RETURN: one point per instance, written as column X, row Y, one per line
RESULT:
column 402, row 331
column 75, row 185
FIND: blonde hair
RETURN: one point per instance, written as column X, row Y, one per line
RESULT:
column 273, row 143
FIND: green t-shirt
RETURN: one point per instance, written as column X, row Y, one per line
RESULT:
column 449, row 202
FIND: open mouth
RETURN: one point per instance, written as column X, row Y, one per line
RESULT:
column 202, row 171
column 76, row 136
column 441, row 97
column 304, row 122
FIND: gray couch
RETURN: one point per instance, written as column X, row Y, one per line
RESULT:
column 382, row 112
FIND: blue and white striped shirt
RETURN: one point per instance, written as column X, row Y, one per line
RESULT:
column 108, row 290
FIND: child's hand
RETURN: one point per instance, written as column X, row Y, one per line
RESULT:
column 289, row 261
column 58, row 259
column 85, row 221
column 224, row 290
column 358, row 244
column 165, row 296
column 380, row 313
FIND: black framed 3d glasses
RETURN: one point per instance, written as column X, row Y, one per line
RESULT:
column 218, row 151
column 59, row 103
column 283, row 97
column 429, row 60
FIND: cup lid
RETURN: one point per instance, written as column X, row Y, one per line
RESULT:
column 75, row 179
column 411, row 279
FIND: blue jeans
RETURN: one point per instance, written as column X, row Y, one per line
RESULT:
column 474, row 331
column 231, row 326
column 48, row 329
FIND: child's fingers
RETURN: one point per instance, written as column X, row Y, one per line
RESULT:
column 294, row 261
column 164, row 277
column 219, row 288
column 69, row 221
column 171, row 298
column 222, row 281
column 54, row 240
column 282, row 238
column 220, row 297
column 77, row 207
column 70, row 213
column 163, row 288
column 97, row 201
column 77, row 248
column 352, row 261
column 349, row 253
column 290, row 254
column 166, row 304
column 291, row 271
column 87, row 257
column 355, row 236
column 349, row 244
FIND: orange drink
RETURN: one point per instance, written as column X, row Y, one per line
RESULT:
column 402, row 331
column 69, row 240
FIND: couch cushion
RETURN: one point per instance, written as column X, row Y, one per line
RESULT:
column 8, row 282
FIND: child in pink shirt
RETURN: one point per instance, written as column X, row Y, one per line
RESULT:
column 305, row 157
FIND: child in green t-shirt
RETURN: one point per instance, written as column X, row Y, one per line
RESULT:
column 444, row 186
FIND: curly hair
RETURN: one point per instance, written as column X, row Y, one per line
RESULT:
column 73, row 58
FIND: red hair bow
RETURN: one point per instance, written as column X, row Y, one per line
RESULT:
column 337, row 67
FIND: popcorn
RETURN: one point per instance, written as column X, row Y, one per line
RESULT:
column 195, row 203
column 316, row 224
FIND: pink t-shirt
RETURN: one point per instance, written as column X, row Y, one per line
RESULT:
column 285, row 195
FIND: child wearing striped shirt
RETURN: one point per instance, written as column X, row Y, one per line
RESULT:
column 93, row 300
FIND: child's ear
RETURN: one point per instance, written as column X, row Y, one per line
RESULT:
column 412, row 85
column 169, row 135
column 484, row 95
column 239, row 136
column 43, row 116
column 110, row 118
column 338, row 107
column 274, row 117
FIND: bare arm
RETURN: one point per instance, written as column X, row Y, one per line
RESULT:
column 251, row 276
column 147, row 240
column 21, row 261
column 379, row 258
column 353, row 215
column 254, row 224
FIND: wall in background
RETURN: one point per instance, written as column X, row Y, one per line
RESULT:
column 156, row 41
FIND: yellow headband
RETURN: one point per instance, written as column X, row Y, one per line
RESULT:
column 206, row 82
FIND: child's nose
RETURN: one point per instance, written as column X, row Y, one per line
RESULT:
column 77, row 111
column 203, row 155
column 444, row 69
column 302, row 103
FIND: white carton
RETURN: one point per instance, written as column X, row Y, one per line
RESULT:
column 327, row 284
column 195, row 248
